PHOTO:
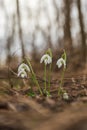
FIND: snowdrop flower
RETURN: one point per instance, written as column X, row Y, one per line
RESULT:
column 24, row 67
column 22, row 73
column 61, row 62
column 65, row 96
column 46, row 59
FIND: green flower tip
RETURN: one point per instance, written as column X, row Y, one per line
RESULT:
column 49, row 52
column 64, row 55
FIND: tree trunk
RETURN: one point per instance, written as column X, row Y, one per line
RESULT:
column 83, row 47
column 20, row 30
column 67, row 32
column 10, row 40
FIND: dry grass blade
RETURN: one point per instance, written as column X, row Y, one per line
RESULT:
column 12, row 107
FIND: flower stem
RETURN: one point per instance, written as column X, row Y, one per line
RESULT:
column 49, row 77
column 61, row 83
column 34, row 77
column 45, row 78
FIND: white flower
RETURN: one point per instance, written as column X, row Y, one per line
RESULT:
column 24, row 67
column 22, row 73
column 65, row 96
column 46, row 59
column 61, row 62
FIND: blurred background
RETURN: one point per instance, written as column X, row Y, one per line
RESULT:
column 30, row 27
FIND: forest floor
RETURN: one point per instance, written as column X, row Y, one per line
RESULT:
column 18, row 111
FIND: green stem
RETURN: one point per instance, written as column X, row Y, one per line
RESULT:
column 61, row 82
column 34, row 77
column 45, row 77
column 49, row 77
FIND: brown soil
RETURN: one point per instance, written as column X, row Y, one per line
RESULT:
column 21, row 112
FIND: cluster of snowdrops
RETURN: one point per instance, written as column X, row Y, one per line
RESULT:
column 26, row 70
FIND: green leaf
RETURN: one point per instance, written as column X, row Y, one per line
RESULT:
column 31, row 94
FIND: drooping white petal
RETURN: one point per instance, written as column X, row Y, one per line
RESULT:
column 61, row 62
column 22, row 74
column 46, row 59
column 23, row 66
column 49, row 60
column 65, row 96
